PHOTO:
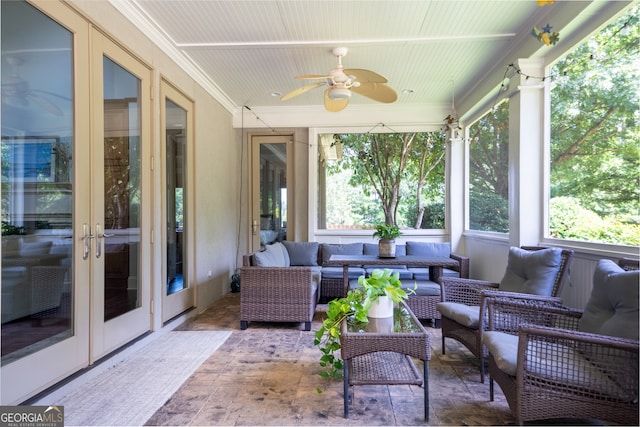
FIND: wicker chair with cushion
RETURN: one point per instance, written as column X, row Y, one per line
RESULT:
column 274, row 291
column 555, row 362
column 530, row 270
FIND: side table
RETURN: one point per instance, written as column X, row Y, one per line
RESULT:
column 381, row 352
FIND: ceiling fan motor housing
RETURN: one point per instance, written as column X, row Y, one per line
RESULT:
column 339, row 94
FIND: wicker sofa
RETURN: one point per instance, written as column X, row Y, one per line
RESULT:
column 311, row 257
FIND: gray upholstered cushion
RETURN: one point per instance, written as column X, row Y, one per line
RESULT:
column 272, row 256
column 467, row 315
column 338, row 272
column 372, row 249
column 612, row 308
column 429, row 249
column 423, row 288
column 329, row 249
column 531, row 272
column 34, row 248
column 302, row 253
column 504, row 349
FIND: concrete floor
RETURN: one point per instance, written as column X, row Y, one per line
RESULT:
column 267, row 375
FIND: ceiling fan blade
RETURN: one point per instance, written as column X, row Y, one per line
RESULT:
column 313, row 76
column 301, row 90
column 377, row 91
column 333, row 105
column 365, row 76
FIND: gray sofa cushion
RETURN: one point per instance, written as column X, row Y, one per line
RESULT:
column 274, row 255
column 612, row 308
column 531, row 272
column 429, row 249
column 424, row 288
column 302, row 253
column 338, row 273
column 329, row 249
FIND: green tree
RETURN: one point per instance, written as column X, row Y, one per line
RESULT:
column 489, row 171
column 595, row 157
column 398, row 171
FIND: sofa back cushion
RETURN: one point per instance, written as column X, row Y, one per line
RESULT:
column 329, row 249
column 429, row 249
column 531, row 272
column 372, row 249
column 302, row 253
column 35, row 248
column 612, row 308
column 274, row 255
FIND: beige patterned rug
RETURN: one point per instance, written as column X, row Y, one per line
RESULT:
column 129, row 392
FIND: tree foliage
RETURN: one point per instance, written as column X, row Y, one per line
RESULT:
column 489, row 171
column 595, row 107
column 402, row 172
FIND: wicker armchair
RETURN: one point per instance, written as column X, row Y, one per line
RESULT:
column 556, row 362
column 466, row 298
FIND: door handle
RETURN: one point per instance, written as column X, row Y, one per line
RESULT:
column 86, row 240
column 100, row 235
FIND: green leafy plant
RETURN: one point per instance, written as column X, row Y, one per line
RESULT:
column 382, row 282
column 327, row 338
column 387, row 232
column 354, row 307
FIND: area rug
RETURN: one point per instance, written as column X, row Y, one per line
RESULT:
column 128, row 393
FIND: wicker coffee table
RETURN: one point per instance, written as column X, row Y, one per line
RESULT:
column 381, row 353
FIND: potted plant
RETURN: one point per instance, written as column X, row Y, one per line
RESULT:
column 357, row 307
column 387, row 233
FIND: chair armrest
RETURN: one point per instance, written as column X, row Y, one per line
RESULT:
column 463, row 267
column 508, row 311
column 464, row 291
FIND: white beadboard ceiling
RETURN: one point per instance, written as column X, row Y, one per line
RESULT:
column 432, row 52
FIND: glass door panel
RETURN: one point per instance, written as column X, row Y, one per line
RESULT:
column 120, row 238
column 177, row 111
column 270, row 189
column 37, row 186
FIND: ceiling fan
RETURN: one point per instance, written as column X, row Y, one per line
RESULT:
column 341, row 82
column 17, row 92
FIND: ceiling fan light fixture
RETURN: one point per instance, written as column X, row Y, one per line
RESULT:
column 339, row 94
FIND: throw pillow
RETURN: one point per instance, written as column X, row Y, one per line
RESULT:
column 329, row 249
column 302, row 253
column 531, row 272
column 612, row 308
column 429, row 249
column 272, row 256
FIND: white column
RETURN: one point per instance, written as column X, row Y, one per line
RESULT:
column 456, row 177
column 526, row 154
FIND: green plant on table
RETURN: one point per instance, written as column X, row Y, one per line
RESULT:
column 355, row 306
column 327, row 338
column 387, row 232
column 382, row 282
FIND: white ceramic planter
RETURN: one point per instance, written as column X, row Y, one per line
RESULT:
column 381, row 308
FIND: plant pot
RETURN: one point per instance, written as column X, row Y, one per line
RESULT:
column 387, row 248
column 382, row 325
column 381, row 308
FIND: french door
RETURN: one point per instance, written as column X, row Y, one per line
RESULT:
column 75, row 131
column 177, row 147
column 271, row 194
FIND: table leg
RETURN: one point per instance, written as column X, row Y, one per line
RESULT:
column 345, row 369
column 425, row 389
column 345, row 278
